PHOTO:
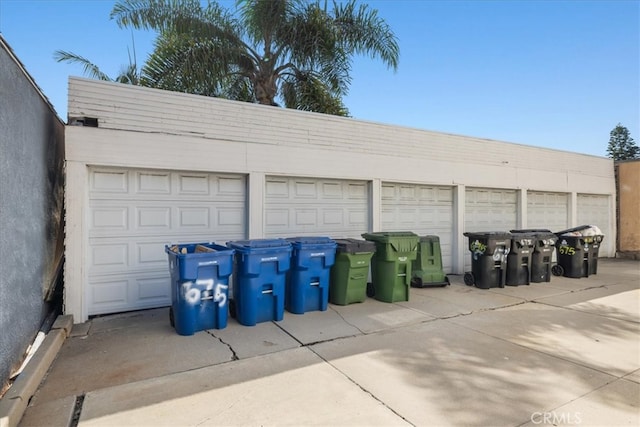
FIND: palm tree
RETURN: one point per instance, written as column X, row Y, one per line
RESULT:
column 129, row 74
column 294, row 51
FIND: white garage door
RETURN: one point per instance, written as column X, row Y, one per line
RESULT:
column 425, row 210
column 548, row 211
column 488, row 210
column 315, row 207
column 134, row 213
column 593, row 209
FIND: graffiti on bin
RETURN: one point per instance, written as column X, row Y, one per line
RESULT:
column 526, row 242
column 212, row 291
column 565, row 249
column 500, row 253
column 477, row 248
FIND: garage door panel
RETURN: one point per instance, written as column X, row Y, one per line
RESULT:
column 305, row 189
column 488, row 210
column 152, row 183
column 118, row 255
column 190, row 185
column 594, row 210
column 407, row 192
column 333, row 217
column 135, row 185
column 109, row 182
column 277, row 188
column 332, row 190
column 135, row 213
column 358, row 219
column 422, row 209
column 232, row 217
column 233, row 186
column 119, row 292
column 107, row 257
column 153, row 218
column 194, row 217
column 547, row 210
column 305, row 217
column 108, row 295
column 109, row 219
column 326, row 207
column 357, row 191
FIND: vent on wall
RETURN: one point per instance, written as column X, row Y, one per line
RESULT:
column 83, row 121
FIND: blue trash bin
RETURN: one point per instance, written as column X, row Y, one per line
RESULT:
column 308, row 278
column 259, row 280
column 199, row 286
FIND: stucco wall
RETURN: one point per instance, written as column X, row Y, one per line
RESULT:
column 31, row 178
column 629, row 206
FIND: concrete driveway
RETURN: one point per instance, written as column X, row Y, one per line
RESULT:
column 560, row 353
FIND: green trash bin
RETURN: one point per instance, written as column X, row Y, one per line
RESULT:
column 427, row 268
column 350, row 271
column 391, row 264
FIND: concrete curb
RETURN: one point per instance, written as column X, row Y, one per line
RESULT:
column 15, row 401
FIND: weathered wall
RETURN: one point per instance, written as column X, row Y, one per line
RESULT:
column 31, row 196
column 154, row 129
column 629, row 206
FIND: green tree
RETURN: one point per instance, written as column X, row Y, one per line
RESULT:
column 293, row 51
column 621, row 145
column 129, row 74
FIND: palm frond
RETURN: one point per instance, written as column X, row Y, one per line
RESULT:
column 362, row 31
column 89, row 69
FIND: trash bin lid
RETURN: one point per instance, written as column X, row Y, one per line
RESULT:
column 353, row 246
column 531, row 230
column 487, row 235
column 524, row 235
column 387, row 236
column 258, row 244
column 430, row 238
column 196, row 249
column 583, row 230
column 310, row 240
column 573, row 230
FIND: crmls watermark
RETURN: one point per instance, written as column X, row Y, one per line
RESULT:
column 556, row 418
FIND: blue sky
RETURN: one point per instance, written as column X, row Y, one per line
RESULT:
column 557, row 74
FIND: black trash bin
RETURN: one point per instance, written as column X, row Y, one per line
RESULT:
column 578, row 251
column 489, row 251
column 519, row 260
column 542, row 257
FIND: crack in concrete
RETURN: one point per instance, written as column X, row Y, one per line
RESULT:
column 234, row 356
column 346, row 321
column 77, row 410
column 364, row 390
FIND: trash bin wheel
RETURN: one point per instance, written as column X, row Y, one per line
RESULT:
column 172, row 320
column 232, row 308
column 371, row 291
column 469, row 280
column 448, row 283
column 557, row 270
